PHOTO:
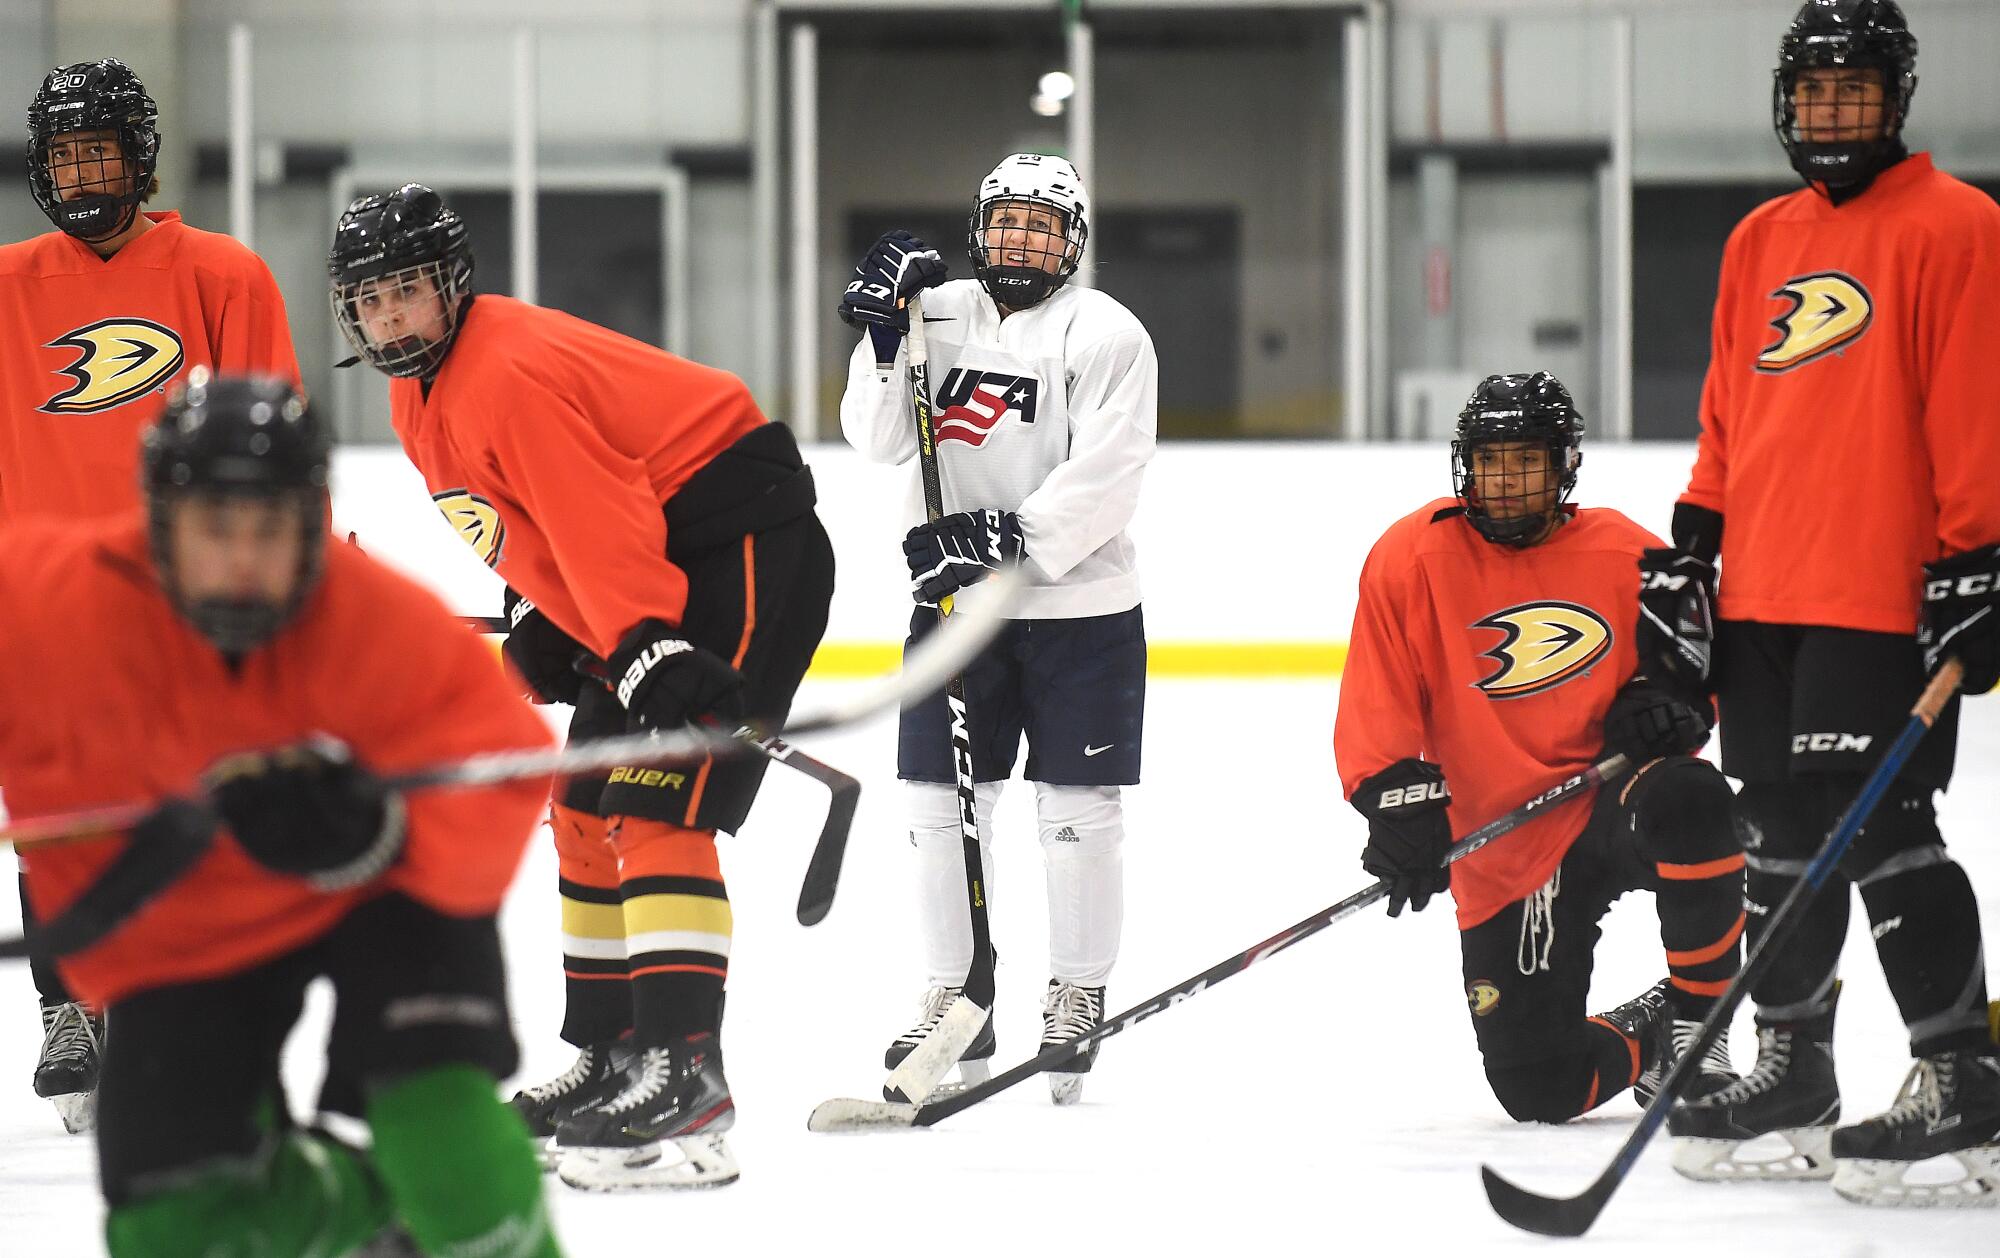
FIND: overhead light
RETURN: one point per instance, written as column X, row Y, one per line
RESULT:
column 1057, row 85
column 1045, row 105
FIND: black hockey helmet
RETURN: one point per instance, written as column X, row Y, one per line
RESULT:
column 1525, row 407
column 389, row 242
column 253, row 436
column 1865, row 34
column 1035, row 179
column 93, row 96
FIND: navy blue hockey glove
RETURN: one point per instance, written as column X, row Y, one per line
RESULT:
column 664, row 681
column 1645, row 721
column 1408, row 832
column 1676, row 635
column 1961, row 616
column 544, row 655
column 897, row 268
column 309, row 810
column 959, row 550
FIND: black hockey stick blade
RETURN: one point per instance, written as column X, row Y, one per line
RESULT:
column 823, row 870
column 1550, row 1216
column 1573, row 1216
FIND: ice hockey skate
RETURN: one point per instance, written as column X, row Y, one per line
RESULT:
column 974, row 1064
column 1949, row 1110
column 599, row 1073
column 72, row 1042
column 664, row 1130
column 1790, row 1097
column 1672, row 1037
column 1640, row 1020
column 1067, row 1012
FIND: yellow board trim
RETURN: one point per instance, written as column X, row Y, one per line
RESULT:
column 844, row 660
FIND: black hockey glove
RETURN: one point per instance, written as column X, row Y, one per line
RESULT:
column 1961, row 616
column 544, row 655
column 665, row 681
column 959, row 550
column 1676, row 638
column 897, row 268
column 1645, row 721
column 1697, row 530
column 1408, row 832
column 310, row 811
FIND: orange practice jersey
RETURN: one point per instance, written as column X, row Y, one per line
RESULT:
column 91, row 348
column 1850, row 424
column 137, row 707
column 1497, row 665
column 551, row 444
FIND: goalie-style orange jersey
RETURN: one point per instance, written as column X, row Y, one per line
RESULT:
column 1496, row 665
column 551, row 444
column 138, row 706
column 1851, row 416
column 93, row 345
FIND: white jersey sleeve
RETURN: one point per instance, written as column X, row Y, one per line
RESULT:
column 875, row 410
column 1090, row 497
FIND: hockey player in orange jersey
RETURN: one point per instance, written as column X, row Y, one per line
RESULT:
column 257, row 679
column 650, row 521
column 99, row 319
column 1850, row 434
column 1492, row 657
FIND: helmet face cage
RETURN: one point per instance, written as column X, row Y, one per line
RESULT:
column 106, row 101
column 415, row 313
column 1524, row 410
column 1020, row 276
column 401, row 272
column 251, row 438
column 1846, row 35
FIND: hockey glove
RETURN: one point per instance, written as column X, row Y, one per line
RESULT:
column 1697, row 530
column 897, row 268
column 544, row 655
column 665, row 681
column 1676, row 637
column 1645, row 722
column 959, row 550
column 1961, row 616
column 1408, row 832
column 309, row 810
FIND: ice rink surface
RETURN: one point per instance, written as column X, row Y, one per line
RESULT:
column 1328, row 1101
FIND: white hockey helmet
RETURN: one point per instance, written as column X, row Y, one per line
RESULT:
column 1042, row 179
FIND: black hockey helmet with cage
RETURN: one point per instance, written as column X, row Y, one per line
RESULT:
column 1846, row 34
column 228, row 436
column 393, row 242
column 93, row 96
column 1521, row 408
column 1035, row 180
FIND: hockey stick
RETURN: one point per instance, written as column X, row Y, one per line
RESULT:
column 1572, row 1216
column 924, row 671
column 844, row 1114
column 918, row 1074
column 830, row 850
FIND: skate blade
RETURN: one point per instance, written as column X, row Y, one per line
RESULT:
column 1884, row 1183
column 705, row 1162
column 849, row 1114
column 920, row 1073
column 549, row 1154
column 1810, row 1157
column 78, row 1111
column 1066, row 1089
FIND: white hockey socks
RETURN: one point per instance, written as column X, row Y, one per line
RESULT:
column 1083, row 834
column 946, row 922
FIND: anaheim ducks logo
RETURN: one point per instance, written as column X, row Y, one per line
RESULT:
column 1482, row 996
column 117, row 360
column 476, row 521
column 1828, row 312
column 1545, row 645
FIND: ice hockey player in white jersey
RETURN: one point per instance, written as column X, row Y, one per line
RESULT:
column 1044, row 411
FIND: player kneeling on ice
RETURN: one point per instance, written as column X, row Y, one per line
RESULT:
column 1492, row 656
column 219, row 654
column 1045, row 421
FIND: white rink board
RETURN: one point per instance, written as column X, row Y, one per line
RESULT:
column 1330, row 1100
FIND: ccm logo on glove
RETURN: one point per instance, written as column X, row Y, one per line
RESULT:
column 646, row 661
